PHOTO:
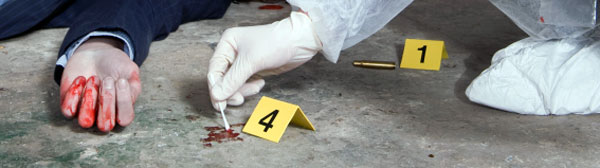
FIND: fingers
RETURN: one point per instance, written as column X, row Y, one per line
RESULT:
column 125, row 113
column 225, row 53
column 87, row 110
column 106, row 108
column 111, row 98
column 135, row 85
column 252, row 87
column 217, row 105
column 71, row 97
column 233, row 80
column 248, row 89
column 236, row 99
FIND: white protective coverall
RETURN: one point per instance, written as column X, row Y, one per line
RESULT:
column 554, row 71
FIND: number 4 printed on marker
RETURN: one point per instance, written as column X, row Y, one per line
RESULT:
column 270, row 123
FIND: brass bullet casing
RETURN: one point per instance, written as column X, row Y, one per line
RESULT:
column 375, row 64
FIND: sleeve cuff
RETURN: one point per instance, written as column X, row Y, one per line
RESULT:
column 127, row 48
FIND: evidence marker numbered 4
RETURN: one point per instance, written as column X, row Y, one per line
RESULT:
column 271, row 118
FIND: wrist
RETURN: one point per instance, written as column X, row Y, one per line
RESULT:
column 308, row 27
column 101, row 43
column 91, row 48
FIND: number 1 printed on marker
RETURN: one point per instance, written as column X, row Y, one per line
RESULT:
column 423, row 50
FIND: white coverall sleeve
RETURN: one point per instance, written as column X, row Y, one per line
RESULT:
column 341, row 24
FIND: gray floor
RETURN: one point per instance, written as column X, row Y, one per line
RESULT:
column 364, row 118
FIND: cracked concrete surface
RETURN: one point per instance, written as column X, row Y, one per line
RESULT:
column 363, row 117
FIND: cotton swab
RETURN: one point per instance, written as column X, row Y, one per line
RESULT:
column 224, row 118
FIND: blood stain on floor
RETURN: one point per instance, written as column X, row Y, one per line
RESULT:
column 270, row 7
column 220, row 135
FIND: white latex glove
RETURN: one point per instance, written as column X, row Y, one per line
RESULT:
column 262, row 50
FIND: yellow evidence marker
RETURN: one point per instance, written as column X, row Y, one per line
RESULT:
column 423, row 54
column 271, row 117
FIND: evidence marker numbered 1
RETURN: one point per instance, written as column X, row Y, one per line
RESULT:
column 423, row 54
column 271, row 118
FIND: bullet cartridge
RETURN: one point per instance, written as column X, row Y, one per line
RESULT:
column 375, row 64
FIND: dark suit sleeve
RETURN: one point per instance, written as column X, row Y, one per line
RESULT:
column 143, row 20
column 20, row 16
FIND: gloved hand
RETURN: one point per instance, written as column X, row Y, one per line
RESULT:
column 101, row 78
column 258, row 50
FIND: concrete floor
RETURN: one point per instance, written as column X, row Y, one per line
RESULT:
column 364, row 118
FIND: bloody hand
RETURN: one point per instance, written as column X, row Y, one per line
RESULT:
column 100, row 85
